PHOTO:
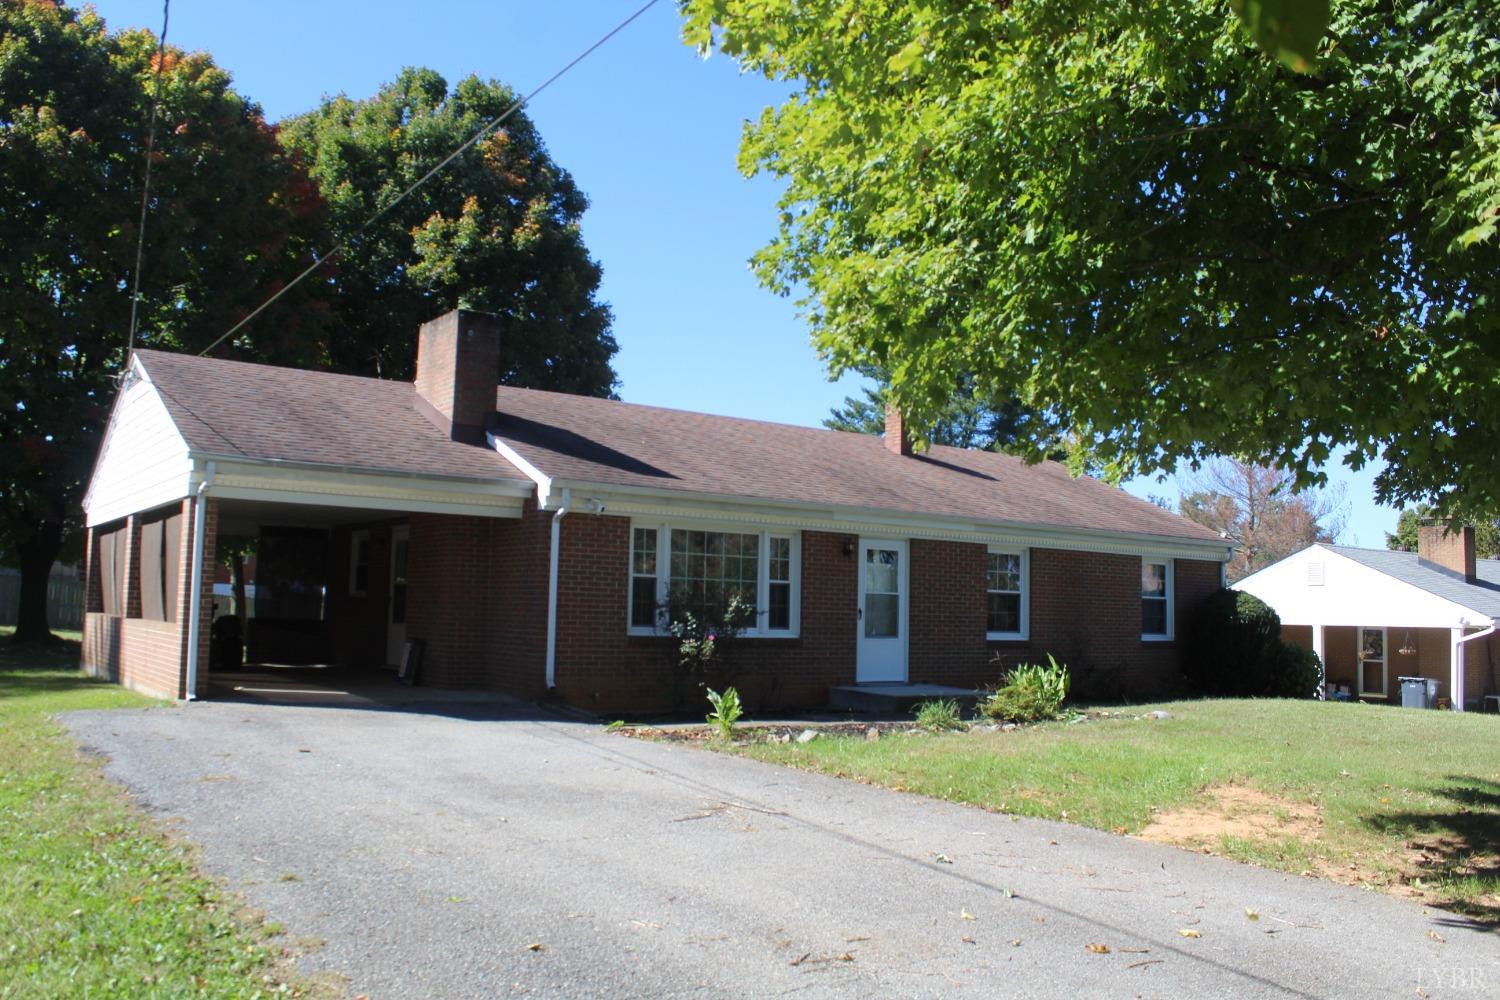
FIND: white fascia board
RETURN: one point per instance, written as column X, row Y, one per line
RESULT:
column 326, row 487
column 643, row 501
column 542, row 481
column 143, row 461
column 1352, row 594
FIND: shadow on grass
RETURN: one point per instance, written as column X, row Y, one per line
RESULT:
column 54, row 654
column 1456, row 852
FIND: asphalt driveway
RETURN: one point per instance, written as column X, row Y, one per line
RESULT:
column 432, row 851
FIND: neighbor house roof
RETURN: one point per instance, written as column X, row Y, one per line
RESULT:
column 588, row 440
column 1483, row 595
column 261, row 412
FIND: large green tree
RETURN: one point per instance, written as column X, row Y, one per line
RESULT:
column 497, row 230
column 1128, row 215
column 228, row 215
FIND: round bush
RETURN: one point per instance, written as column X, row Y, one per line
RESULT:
column 1234, row 649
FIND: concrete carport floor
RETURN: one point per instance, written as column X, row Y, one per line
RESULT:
column 479, row 851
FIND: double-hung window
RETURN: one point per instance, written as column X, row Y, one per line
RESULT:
column 700, row 570
column 1005, row 586
column 1156, row 599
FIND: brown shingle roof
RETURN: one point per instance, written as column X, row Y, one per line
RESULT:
column 290, row 415
column 607, row 442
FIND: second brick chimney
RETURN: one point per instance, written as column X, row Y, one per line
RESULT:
column 458, row 367
column 897, row 437
column 1447, row 548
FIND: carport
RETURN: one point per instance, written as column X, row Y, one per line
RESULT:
column 355, row 498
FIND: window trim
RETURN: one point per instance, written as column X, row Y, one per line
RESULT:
column 1170, row 565
column 356, row 539
column 1025, row 630
column 663, row 529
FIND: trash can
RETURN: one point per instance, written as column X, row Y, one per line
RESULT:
column 1418, row 692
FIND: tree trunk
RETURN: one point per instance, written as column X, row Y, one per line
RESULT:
column 36, row 555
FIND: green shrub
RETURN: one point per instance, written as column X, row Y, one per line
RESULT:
column 1234, row 649
column 726, row 713
column 1298, row 672
column 937, row 716
column 1032, row 692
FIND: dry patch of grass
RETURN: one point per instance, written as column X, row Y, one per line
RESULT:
column 1236, row 811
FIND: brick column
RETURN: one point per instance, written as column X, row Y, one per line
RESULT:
column 93, row 594
column 132, row 599
column 206, row 590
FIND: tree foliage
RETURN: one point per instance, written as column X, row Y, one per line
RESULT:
column 968, row 420
column 497, row 230
column 1172, row 245
column 229, row 215
column 1261, row 512
column 1404, row 539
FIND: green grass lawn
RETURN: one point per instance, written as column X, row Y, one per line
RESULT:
column 94, row 900
column 1403, row 799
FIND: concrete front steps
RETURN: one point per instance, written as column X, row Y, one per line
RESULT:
column 896, row 699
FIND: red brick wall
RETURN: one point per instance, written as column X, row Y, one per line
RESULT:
column 1085, row 609
column 602, row 669
column 151, row 656
column 477, row 597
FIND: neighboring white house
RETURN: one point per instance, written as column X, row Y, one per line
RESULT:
column 1373, row 615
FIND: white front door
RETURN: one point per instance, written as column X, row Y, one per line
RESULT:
column 881, row 649
column 395, row 642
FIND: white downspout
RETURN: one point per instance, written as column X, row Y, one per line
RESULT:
column 567, row 496
column 195, row 587
column 1456, row 664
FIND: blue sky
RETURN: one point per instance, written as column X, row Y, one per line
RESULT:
column 649, row 130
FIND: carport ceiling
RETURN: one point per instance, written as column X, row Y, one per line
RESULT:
column 246, row 517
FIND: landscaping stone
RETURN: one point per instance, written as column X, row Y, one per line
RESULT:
column 807, row 736
column 1158, row 714
column 872, row 734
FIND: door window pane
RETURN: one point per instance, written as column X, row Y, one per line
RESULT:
column 398, row 581
column 882, row 616
column 881, row 571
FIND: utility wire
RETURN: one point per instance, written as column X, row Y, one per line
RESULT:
column 488, row 127
column 140, row 231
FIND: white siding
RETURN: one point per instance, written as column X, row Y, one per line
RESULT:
column 143, row 462
column 1319, row 587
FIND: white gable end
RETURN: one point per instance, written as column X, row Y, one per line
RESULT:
column 144, row 461
column 1320, row 587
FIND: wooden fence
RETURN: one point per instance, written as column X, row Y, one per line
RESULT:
column 64, row 600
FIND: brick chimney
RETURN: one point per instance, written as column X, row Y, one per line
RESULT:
column 1447, row 548
column 458, row 367
column 897, row 437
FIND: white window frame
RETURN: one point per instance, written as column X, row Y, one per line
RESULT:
column 1360, row 661
column 1025, row 631
column 663, row 531
column 356, row 540
column 1171, row 568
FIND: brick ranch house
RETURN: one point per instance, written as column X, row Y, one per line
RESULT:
column 528, row 539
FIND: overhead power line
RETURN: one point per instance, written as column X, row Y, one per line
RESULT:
column 488, row 127
column 140, row 229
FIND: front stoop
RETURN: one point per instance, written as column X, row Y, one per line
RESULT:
column 896, row 699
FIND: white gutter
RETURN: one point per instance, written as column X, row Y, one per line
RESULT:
column 195, row 587
column 567, row 496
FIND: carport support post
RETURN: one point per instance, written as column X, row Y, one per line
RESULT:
column 1456, row 669
column 1322, row 661
column 195, row 587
